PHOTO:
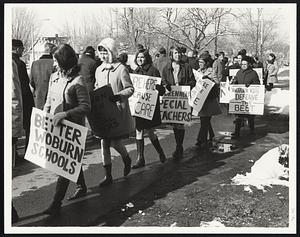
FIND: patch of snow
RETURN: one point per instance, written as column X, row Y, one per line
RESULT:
column 174, row 224
column 216, row 222
column 129, row 205
column 266, row 171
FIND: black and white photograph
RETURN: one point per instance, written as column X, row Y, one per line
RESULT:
column 150, row 118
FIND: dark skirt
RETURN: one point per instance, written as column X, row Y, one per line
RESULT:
column 142, row 123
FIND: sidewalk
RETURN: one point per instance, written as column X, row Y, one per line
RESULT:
column 197, row 188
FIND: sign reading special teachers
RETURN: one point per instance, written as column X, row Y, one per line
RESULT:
column 174, row 106
column 247, row 100
column 56, row 148
column 143, row 101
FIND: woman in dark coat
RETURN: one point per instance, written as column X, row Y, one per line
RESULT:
column 210, row 107
column 177, row 73
column 67, row 98
column 145, row 67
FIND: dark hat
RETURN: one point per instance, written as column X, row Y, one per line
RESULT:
column 17, row 43
column 162, row 50
column 247, row 59
column 89, row 50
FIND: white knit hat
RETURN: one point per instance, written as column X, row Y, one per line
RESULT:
column 110, row 45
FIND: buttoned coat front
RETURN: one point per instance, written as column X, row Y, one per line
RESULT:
column 68, row 95
column 119, row 79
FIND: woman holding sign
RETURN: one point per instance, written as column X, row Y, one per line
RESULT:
column 145, row 67
column 209, row 108
column 114, row 74
column 67, row 98
column 177, row 73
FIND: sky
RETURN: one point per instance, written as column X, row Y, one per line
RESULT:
column 51, row 16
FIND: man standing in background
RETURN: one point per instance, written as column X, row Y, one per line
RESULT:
column 27, row 97
column 41, row 71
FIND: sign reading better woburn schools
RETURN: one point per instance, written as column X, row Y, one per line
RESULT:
column 106, row 118
column 199, row 94
column 174, row 105
column 143, row 101
column 56, row 148
column 247, row 100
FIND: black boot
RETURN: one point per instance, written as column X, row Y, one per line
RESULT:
column 127, row 165
column 238, row 124
column 179, row 136
column 251, row 125
column 108, row 178
column 159, row 150
column 140, row 154
column 80, row 188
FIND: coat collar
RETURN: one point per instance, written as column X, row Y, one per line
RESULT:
column 114, row 66
column 46, row 56
column 181, row 65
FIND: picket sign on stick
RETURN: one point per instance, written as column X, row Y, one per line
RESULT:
column 174, row 105
column 56, row 148
column 143, row 101
column 247, row 100
column 199, row 94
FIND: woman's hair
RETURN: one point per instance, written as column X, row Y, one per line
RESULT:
column 101, row 48
column 207, row 60
column 67, row 60
column 148, row 58
column 273, row 56
column 172, row 49
column 123, row 58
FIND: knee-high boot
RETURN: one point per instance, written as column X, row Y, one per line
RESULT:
column 179, row 136
column 60, row 192
column 159, row 150
column 108, row 178
column 238, row 124
column 140, row 154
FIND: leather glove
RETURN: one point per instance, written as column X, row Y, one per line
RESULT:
column 115, row 98
column 168, row 86
column 58, row 117
column 161, row 90
column 247, row 85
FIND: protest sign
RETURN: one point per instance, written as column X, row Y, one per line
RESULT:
column 56, row 148
column 106, row 118
column 226, row 93
column 174, row 106
column 233, row 72
column 143, row 101
column 199, row 94
column 247, row 100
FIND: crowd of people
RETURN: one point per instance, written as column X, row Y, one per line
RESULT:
column 60, row 83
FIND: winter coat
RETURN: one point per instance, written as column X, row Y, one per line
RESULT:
column 27, row 97
column 247, row 77
column 88, row 67
column 218, row 71
column 211, row 106
column 17, row 107
column 185, row 75
column 41, row 71
column 117, row 76
column 272, row 73
column 68, row 95
column 160, row 63
column 141, row 123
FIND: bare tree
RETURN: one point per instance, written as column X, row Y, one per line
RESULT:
column 25, row 27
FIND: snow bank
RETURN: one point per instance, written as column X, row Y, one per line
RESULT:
column 216, row 222
column 265, row 172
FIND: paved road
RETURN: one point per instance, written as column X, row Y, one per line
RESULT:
column 33, row 187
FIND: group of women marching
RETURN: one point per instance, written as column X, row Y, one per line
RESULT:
column 68, row 98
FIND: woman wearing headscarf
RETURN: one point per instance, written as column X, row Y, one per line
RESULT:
column 177, row 73
column 145, row 67
column 209, row 108
column 272, row 70
column 113, row 73
column 67, row 98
